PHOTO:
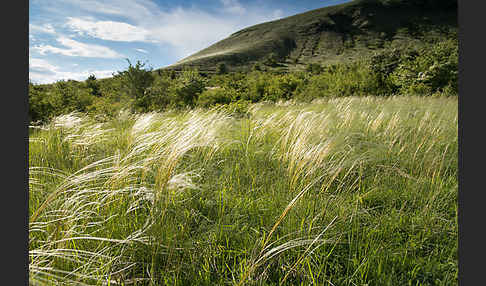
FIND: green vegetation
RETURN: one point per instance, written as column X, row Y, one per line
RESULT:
column 425, row 70
column 343, row 191
column 330, row 160
column 135, row 81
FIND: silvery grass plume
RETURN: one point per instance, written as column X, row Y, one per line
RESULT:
column 339, row 139
column 302, row 149
column 80, row 204
column 88, row 135
column 79, row 208
column 144, row 122
column 68, row 121
column 79, row 130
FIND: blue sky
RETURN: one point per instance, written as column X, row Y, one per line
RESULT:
column 71, row 39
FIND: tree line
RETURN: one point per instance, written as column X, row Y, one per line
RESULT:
column 428, row 70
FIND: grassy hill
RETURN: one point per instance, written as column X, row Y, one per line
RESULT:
column 329, row 35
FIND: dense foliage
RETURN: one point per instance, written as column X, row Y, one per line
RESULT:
column 431, row 69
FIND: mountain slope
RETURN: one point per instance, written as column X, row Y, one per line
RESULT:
column 331, row 34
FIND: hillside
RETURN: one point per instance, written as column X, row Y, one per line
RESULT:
column 329, row 35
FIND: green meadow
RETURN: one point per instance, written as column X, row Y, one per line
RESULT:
column 336, row 191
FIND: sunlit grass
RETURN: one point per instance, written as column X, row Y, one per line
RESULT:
column 346, row 191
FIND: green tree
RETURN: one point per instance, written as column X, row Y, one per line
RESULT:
column 92, row 84
column 135, row 81
column 187, row 87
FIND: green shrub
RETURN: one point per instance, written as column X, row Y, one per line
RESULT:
column 157, row 96
column 222, row 69
column 105, row 107
column 431, row 70
column 314, row 68
column 186, row 88
column 47, row 101
column 42, row 106
column 281, row 87
column 238, row 108
column 257, row 82
column 354, row 79
column 215, row 96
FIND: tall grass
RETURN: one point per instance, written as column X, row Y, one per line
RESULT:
column 346, row 191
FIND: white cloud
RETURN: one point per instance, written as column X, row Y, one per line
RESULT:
column 185, row 30
column 131, row 9
column 41, row 66
column 46, row 28
column 41, row 71
column 108, row 30
column 142, row 51
column 190, row 30
column 78, row 49
column 181, row 31
column 233, row 6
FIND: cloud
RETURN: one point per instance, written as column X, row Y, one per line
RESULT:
column 142, row 51
column 108, row 30
column 46, row 28
column 41, row 71
column 233, row 6
column 191, row 30
column 78, row 49
column 188, row 31
column 183, row 30
column 130, row 9
column 178, row 31
column 41, row 66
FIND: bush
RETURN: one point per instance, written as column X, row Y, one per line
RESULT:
column 42, row 106
column 431, row 70
column 157, row 96
column 257, row 83
column 281, row 87
column 47, row 101
column 238, row 108
column 314, row 68
column 221, row 69
column 105, row 107
column 186, row 88
column 354, row 79
column 213, row 97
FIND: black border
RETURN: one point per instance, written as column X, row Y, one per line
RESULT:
column 471, row 154
column 15, row 55
column 15, row 46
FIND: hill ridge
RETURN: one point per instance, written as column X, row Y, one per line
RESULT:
column 330, row 34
